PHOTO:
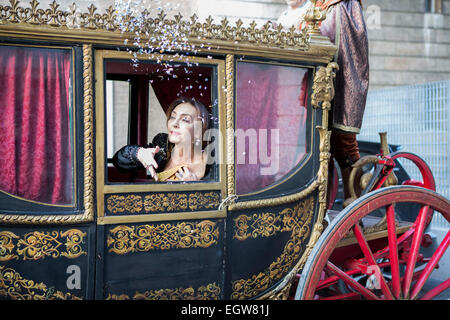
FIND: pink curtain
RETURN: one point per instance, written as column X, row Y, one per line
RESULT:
column 271, row 99
column 35, row 140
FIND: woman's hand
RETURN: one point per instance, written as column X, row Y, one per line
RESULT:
column 147, row 157
column 184, row 174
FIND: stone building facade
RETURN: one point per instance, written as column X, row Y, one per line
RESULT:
column 409, row 39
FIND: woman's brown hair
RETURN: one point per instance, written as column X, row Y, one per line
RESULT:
column 204, row 113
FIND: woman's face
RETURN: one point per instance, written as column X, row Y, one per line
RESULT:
column 184, row 124
column 294, row 3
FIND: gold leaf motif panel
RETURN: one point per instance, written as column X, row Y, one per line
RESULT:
column 14, row 286
column 268, row 224
column 117, row 204
column 210, row 291
column 296, row 220
column 124, row 239
column 38, row 245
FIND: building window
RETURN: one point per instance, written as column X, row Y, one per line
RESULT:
column 433, row 6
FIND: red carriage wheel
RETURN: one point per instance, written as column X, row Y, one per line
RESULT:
column 396, row 271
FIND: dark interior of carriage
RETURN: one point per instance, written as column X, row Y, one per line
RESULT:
column 140, row 95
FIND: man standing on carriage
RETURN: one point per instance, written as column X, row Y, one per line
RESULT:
column 346, row 28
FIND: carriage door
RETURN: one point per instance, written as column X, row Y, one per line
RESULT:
column 157, row 240
column 276, row 166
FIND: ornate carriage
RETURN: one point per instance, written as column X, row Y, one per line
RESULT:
column 76, row 85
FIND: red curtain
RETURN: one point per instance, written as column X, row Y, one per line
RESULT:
column 35, row 139
column 256, row 94
column 193, row 84
column 272, row 98
column 170, row 82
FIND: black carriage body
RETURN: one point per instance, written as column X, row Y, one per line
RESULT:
column 123, row 237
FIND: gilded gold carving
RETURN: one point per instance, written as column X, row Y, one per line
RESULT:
column 258, row 225
column 38, row 245
column 199, row 200
column 88, row 104
column 323, row 90
column 165, row 202
column 74, row 241
column 297, row 220
column 124, row 203
column 229, row 62
column 210, row 291
column 117, row 297
column 162, row 202
column 275, row 200
column 14, row 286
column 192, row 28
column 314, row 17
column 7, row 246
column 126, row 239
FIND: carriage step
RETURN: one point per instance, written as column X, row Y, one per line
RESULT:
column 369, row 222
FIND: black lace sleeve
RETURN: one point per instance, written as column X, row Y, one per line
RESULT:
column 126, row 158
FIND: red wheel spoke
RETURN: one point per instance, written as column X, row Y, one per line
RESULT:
column 351, row 282
column 431, row 265
column 400, row 240
column 371, row 260
column 437, row 290
column 415, row 245
column 393, row 251
column 333, row 279
column 336, row 272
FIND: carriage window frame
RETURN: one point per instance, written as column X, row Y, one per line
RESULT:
column 309, row 128
column 21, row 205
column 105, row 188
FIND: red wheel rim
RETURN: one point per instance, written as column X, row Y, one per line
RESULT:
column 406, row 286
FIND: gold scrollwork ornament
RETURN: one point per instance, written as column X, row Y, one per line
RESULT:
column 14, row 286
column 323, row 89
column 314, row 16
column 297, row 221
column 210, row 291
column 38, row 245
column 143, row 238
column 7, row 246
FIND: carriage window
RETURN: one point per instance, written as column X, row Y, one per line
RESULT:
column 139, row 98
column 270, row 123
column 36, row 124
